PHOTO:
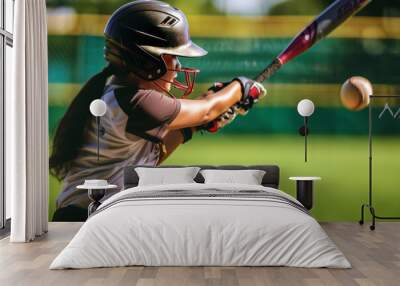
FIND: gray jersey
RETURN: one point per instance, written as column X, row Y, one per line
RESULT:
column 134, row 125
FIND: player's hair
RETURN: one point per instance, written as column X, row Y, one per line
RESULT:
column 69, row 135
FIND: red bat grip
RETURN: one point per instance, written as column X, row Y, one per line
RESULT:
column 269, row 70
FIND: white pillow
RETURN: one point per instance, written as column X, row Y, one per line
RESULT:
column 165, row 176
column 248, row 177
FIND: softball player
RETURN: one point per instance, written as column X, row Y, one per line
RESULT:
column 144, row 122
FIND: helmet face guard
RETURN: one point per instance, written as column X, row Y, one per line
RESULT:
column 189, row 81
column 190, row 78
column 187, row 87
column 186, row 84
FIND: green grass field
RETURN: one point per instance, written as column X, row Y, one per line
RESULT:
column 341, row 161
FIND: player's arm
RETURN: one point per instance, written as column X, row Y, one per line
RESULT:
column 197, row 112
column 241, row 92
column 174, row 137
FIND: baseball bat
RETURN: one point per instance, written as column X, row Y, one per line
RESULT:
column 334, row 15
column 329, row 19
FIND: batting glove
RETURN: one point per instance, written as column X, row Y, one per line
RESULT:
column 252, row 91
column 217, row 86
column 224, row 119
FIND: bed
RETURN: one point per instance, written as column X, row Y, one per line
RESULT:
column 201, row 224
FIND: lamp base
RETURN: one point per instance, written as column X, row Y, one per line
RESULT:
column 95, row 195
column 374, row 216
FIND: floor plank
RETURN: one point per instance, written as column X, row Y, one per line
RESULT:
column 374, row 255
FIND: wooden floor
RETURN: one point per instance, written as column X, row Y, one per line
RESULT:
column 375, row 257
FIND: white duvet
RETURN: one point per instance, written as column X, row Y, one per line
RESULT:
column 206, row 230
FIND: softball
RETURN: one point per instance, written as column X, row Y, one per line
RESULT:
column 355, row 93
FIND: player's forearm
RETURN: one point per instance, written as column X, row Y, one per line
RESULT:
column 222, row 100
column 201, row 111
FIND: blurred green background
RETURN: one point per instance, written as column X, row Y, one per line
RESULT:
column 241, row 38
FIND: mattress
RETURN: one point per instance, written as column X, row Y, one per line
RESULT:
column 201, row 225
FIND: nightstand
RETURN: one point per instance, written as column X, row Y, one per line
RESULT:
column 96, row 191
column 304, row 190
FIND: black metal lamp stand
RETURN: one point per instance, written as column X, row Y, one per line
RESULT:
column 305, row 137
column 98, row 135
column 303, row 131
column 370, row 203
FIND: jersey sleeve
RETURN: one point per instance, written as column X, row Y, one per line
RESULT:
column 149, row 112
column 154, row 108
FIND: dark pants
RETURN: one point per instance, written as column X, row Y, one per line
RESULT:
column 70, row 213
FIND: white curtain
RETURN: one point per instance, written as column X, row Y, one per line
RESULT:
column 27, row 124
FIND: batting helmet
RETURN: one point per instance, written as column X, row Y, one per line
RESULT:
column 140, row 32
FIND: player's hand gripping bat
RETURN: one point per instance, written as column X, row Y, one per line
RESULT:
column 329, row 19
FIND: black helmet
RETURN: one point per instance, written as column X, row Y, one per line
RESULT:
column 140, row 32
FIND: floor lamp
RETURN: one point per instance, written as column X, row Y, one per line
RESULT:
column 370, row 202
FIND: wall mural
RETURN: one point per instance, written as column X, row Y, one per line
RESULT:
column 240, row 43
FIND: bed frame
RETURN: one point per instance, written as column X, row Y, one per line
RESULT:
column 270, row 179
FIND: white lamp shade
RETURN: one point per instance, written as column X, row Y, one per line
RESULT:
column 305, row 107
column 98, row 107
